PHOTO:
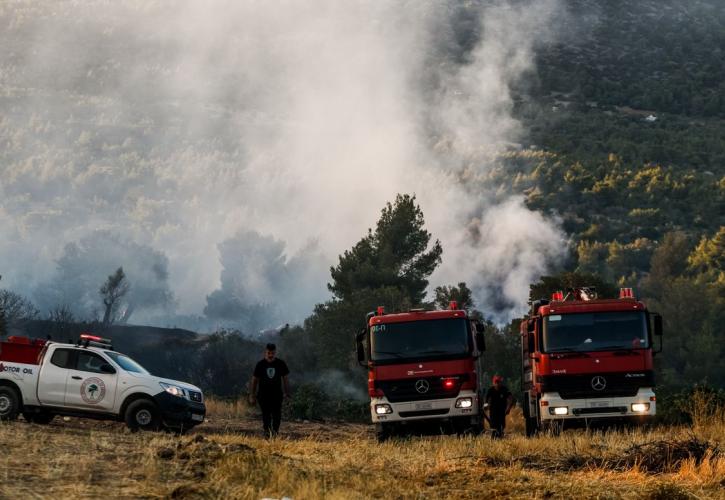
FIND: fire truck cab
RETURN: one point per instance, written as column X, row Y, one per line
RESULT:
column 423, row 366
column 587, row 359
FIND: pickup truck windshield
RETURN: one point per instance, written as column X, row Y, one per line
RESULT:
column 605, row 331
column 419, row 339
column 126, row 363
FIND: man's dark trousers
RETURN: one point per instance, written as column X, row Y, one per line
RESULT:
column 271, row 414
column 498, row 423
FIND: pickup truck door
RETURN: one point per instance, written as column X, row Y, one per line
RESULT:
column 53, row 375
column 88, row 387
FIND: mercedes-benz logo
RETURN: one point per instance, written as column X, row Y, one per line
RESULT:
column 599, row 383
column 422, row 386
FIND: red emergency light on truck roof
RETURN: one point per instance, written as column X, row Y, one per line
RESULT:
column 87, row 339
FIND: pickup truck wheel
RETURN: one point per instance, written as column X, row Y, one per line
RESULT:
column 142, row 414
column 9, row 404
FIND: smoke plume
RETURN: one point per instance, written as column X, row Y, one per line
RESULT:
column 227, row 136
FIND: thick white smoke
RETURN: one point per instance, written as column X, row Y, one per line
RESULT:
column 182, row 125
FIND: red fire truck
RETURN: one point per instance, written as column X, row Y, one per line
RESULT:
column 586, row 359
column 423, row 366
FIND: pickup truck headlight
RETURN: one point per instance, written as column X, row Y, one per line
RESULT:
column 174, row 390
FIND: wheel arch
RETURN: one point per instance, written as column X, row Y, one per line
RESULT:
column 18, row 392
column 130, row 399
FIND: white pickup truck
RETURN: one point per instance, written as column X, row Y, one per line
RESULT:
column 40, row 379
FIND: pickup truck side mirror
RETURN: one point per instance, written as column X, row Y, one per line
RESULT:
column 106, row 368
column 360, row 348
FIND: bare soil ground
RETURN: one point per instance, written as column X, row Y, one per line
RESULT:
column 227, row 457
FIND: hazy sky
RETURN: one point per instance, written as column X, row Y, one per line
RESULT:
column 183, row 126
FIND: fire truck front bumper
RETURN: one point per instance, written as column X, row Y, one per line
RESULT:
column 465, row 404
column 553, row 407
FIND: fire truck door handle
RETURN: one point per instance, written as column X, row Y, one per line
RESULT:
column 75, row 377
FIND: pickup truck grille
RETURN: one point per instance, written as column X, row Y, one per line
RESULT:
column 398, row 391
column 195, row 396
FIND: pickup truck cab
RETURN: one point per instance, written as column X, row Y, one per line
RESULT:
column 40, row 379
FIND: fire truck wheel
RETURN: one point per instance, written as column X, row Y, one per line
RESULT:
column 9, row 403
column 382, row 432
column 142, row 414
column 530, row 422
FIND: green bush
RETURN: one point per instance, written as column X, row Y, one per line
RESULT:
column 695, row 405
column 311, row 402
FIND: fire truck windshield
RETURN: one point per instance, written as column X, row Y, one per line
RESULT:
column 414, row 340
column 601, row 331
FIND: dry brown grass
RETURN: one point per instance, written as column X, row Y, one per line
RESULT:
column 227, row 458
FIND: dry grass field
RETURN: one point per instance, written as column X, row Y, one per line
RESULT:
column 227, row 458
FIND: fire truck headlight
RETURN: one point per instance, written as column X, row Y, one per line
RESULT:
column 464, row 402
column 640, row 407
column 383, row 409
column 559, row 410
column 174, row 390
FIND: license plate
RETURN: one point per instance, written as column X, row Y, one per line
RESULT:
column 424, row 406
column 197, row 418
column 599, row 404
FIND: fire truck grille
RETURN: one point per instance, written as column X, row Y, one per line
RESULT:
column 424, row 413
column 420, row 389
column 596, row 411
column 195, row 396
column 585, row 386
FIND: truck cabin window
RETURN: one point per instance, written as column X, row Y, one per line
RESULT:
column 126, row 363
column 595, row 331
column 416, row 340
column 61, row 358
column 89, row 362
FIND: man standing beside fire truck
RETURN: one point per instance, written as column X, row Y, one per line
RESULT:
column 270, row 375
column 500, row 401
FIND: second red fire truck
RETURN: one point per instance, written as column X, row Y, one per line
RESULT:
column 585, row 359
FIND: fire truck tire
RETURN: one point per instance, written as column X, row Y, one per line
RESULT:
column 530, row 423
column 383, row 432
column 9, row 403
column 143, row 415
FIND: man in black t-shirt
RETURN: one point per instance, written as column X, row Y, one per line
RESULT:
column 270, row 375
column 500, row 401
